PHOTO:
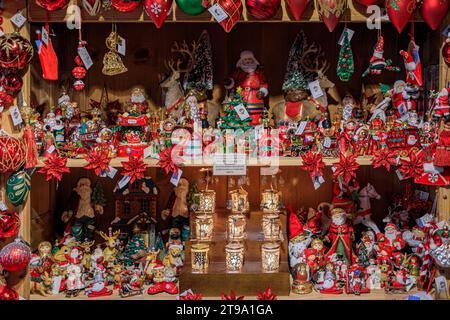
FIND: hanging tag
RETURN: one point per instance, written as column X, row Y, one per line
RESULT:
column 218, row 13
column 176, row 176
column 350, row 34
column 51, row 149
column 85, row 57
column 327, row 142
column 112, row 172
column 259, row 129
column 241, row 111
column 123, row 182
column 301, row 127
column 3, row 206
column 1, row 32
column 64, row 98
column 122, row 46
column 431, row 168
column 399, row 175
column 316, row 90
column 147, row 152
column 15, row 115
column 56, row 284
column 18, row 20
column 317, row 180
column 44, row 35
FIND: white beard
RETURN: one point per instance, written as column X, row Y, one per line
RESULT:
column 339, row 221
column 391, row 236
column 249, row 68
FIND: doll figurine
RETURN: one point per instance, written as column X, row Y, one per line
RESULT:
column 341, row 236
column 330, row 284
column 74, row 281
column 177, row 207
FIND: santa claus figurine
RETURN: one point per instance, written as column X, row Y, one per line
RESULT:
column 391, row 242
column 441, row 107
column 315, row 255
column 341, row 235
column 299, row 240
column 251, row 79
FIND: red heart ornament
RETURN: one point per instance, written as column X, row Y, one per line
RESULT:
column 158, row 10
column 297, row 8
column 331, row 11
column 400, row 11
column 367, row 3
column 434, row 11
column 234, row 9
column 262, row 9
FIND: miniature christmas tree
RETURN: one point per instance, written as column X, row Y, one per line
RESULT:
column 232, row 120
column 296, row 77
column 98, row 197
column 201, row 75
column 134, row 245
column 346, row 65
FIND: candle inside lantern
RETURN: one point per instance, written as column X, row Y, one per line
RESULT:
column 204, row 226
column 270, row 257
column 239, row 201
column 236, row 227
column 271, row 200
column 200, row 257
column 234, row 256
column 207, row 201
column 271, row 226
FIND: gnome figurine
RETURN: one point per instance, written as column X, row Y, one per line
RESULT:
column 378, row 63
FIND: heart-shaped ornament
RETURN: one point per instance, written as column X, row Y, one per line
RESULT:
column 158, row 10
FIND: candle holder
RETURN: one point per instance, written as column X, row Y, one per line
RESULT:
column 236, row 227
column 271, row 226
column 204, row 226
column 270, row 257
column 200, row 257
column 234, row 256
column 239, row 201
column 206, row 201
column 271, row 200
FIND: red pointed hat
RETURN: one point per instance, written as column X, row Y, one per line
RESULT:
column 392, row 225
column 295, row 225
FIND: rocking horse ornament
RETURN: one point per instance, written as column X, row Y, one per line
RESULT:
column 363, row 215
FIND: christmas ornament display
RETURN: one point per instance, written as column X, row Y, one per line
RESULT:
column 112, row 62
column 18, row 187
column 191, row 7
column 158, row 10
column 346, row 65
column 9, row 224
column 330, row 12
column 262, row 9
column 297, row 8
column 434, row 11
column 16, row 52
column 12, row 153
column 125, row 5
column 52, row 5
column 367, row 3
column 15, row 256
column 233, row 9
column 400, row 12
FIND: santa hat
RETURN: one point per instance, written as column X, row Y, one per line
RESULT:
column 378, row 52
column 391, row 226
column 246, row 54
column 295, row 225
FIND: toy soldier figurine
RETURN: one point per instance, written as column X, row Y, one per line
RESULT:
column 253, row 82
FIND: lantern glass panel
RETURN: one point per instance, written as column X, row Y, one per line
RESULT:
column 207, row 201
column 271, row 226
column 204, row 226
column 200, row 257
column 234, row 256
column 270, row 257
column 236, row 227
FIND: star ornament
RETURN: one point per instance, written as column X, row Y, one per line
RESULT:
column 346, row 167
column 54, row 167
column 384, row 158
column 98, row 160
column 412, row 167
column 135, row 168
column 313, row 163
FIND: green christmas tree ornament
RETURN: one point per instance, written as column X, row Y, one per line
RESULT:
column 345, row 66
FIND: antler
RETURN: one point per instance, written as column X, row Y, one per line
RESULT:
column 186, row 52
column 103, row 235
column 318, row 64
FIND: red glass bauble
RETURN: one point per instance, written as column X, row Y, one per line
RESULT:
column 125, row 6
column 262, row 9
column 234, row 9
column 12, row 153
column 13, row 82
column 401, row 13
column 78, row 85
column 52, row 5
column 446, row 51
column 15, row 256
column 297, row 8
column 15, row 51
column 434, row 11
column 79, row 72
column 9, row 224
column 78, row 61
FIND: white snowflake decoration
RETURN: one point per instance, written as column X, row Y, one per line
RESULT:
column 155, row 8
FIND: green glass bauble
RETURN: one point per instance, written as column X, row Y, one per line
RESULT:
column 191, row 7
column 17, row 187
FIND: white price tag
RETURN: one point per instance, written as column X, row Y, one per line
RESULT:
column 85, row 57
column 241, row 111
column 64, row 98
column 176, row 176
column 218, row 13
column 18, row 19
column 431, row 168
column 15, row 115
column 51, row 149
column 3, row 206
column 112, row 172
column 350, row 34
column 446, row 31
column 399, row 174
column 317, row 180
column 327, row 142
column 56, row 284
column 333, row 168
column 316, row 90
column 301, row 127
column 230, row 164
column 123, row 182
column 122, row 46
column 44, row 35
column 147, row 152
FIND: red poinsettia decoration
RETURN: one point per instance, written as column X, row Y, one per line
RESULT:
column 134, row 168
column 232, row 296
column 192, row 296
column 9, row 224
column 166, row 160
column 313, row 163
column 412, row 167
column 98, row 160
column 54, row 167
column 266, row 295
column 384, row 158
column 346, row 167
column 7, row 293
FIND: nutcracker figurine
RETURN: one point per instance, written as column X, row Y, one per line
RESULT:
column 249, row 77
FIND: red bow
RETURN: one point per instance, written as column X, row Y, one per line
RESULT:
column 98, row 160
column 313, row 163
column 54, row 167
column 166, row 160
column 412, row 168
column 384, row 158
column 266, row 295
column 134, row 168
column 346, row 167
column 192, row 296
column 232, row 296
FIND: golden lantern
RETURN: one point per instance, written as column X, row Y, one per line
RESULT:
column 271, row 200
column 204, row 226
column 234, row 256
column 200, row 257
column 271, row 226
column 236, row 227
column 270, row 257
column 239, row 201
column 206, row 201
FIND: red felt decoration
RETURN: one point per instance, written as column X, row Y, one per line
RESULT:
column 9, row 224
column 331, row 11
column 346, row 167
column 12, row 153
column 192, row 296
column 125, row 5
column 233, row 8
column 15, row 51
column 166, row 160
column 266, row 295
column 297, row 8
column 48, row 57
column 367, row 3
column 313, row 163
column 262, row 9
column 400, row 12
column 384, row 158
column 52, row 5
column 98, row 160
column 412, row 167
column 434, row 11
column 134, row 168
column 232, row 296
column 158, row 10
column 15, row 256
column 54, row 167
